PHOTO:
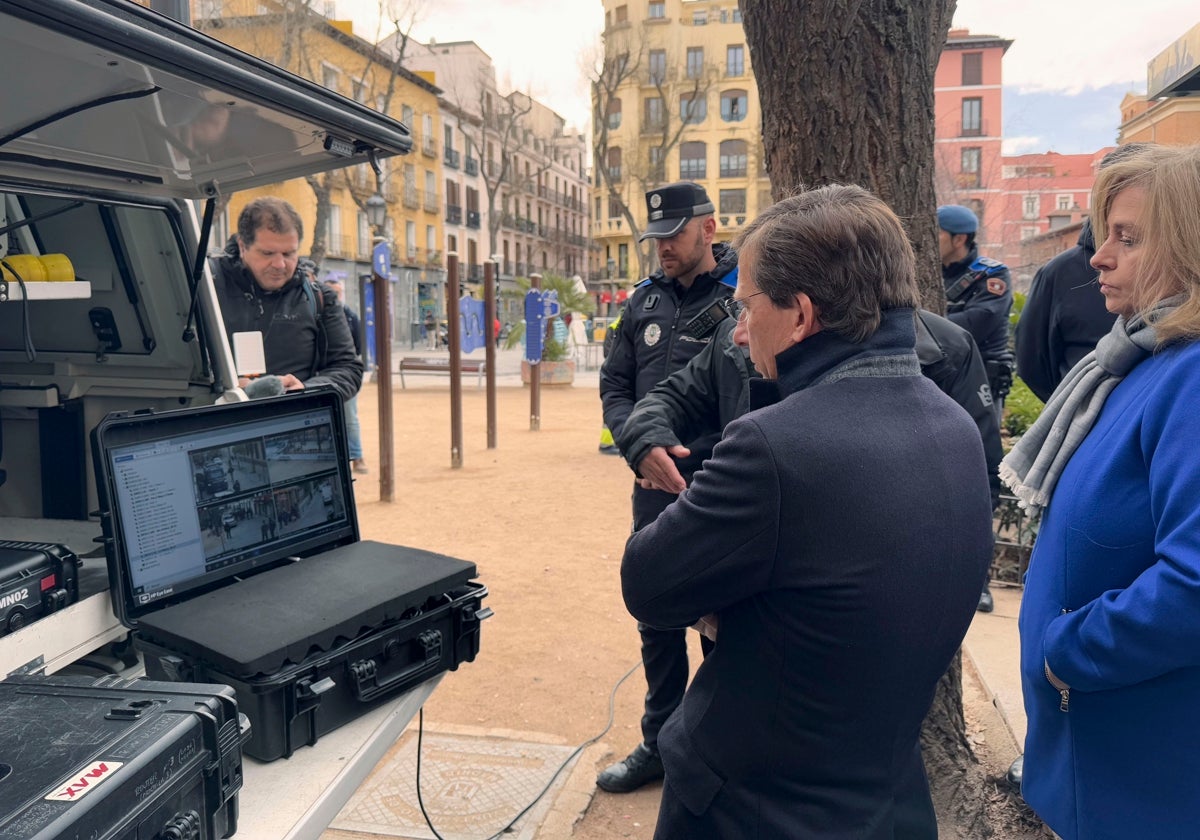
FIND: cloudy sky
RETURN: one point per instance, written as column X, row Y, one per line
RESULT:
column 1064, row 76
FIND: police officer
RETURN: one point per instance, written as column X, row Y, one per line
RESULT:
column 668, row 319
column 978, row 294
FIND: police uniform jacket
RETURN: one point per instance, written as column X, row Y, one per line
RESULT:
column 841, row 536
column 1063, row 318
column 979, row 298
column 304, row 331
column 712, row 390
column 651, row 343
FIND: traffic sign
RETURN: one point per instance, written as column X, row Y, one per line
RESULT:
column 381, row 259
column 535, row 325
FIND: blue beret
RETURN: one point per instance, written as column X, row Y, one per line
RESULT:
column 954, row 218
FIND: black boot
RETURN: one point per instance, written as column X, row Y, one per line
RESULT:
column 1015, row 771
column 986, row 604
column 638, row 769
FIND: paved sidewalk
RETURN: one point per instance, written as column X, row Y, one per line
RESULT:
column 993, row 649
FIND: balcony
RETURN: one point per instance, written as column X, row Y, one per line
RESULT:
column 473, row 218
column 411, row 200
column 451, row 158
column 475, row 273
column 454, row 214
column 431, row 201
column 520, row 269
column 428, row 146
column 975, row 128
column 472, row 166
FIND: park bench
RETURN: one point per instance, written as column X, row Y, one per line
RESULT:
column 421, row 364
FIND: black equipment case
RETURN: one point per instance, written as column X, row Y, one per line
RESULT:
column 233, row 553
column 36, row 579
column 117, row 759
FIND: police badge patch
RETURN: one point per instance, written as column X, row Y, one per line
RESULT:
column 652, row 334
column 655, row 201
column 996, row 286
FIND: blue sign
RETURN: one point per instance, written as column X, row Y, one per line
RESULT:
column 381, row 259
column 368, row 324
column 550, row 303
column 535, row 325
column 470, row 313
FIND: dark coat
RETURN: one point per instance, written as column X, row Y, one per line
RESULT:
column 705, row 396
column 843, row 555
column 983, row 308
column 1063, row 318
column 650, row 342
column 293, row 340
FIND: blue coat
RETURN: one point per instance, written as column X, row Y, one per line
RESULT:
column 1112, row 605
column 841, row 536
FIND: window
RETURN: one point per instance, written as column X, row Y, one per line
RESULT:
column 1063, row 202
column 430, row 238
column 623, row 259
column 733, row 158
column 598, row 207
column 699, row 17
column 695, row 62
column 735, row 60
column 614, row 164
column 658, row 9
column 972, row 68
column 1029, row 207
column 736, row 17
column 359, row 92
column 335, row 228
column 970, row 166
column 657, row 159
column 733, row 105
column 330, row 76
column 364, row 234
column 1028, row 231
column 733, row 201
column 692, row 161
column 658, row 66
column 622, row 14
column 614, row 206
column 449, row 138
column 972, row 117
column 693, row 110
column 410, row 238
column 406, row 115
column 654, row 117
column 614, row 113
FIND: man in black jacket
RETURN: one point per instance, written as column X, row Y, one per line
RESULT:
column 668, row 319
column 262, row 288
column 836, row 541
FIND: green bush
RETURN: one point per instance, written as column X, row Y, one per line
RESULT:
column 1021, row 408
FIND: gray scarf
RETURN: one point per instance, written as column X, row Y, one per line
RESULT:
column 1034, row 465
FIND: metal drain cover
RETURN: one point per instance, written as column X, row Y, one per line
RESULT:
column 471, row 787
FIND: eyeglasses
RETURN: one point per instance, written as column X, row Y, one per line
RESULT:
column 736, row 307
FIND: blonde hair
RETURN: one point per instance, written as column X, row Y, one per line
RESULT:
column 1169, row 229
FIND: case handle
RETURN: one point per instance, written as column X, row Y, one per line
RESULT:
column 365, row 673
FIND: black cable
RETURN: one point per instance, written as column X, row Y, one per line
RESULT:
column 612, row 699
column 30, row 351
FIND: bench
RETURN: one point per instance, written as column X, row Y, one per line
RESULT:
column 419, row 364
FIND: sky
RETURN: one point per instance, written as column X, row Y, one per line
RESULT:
column 1070, row 64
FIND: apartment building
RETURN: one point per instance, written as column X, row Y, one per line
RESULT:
column 678, row 102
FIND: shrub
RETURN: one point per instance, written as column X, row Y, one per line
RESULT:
column 1021, row 408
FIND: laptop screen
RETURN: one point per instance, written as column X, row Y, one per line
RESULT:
column 201, row 495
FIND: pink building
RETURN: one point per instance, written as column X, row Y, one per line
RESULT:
column 1041, row 194
column 969, row 130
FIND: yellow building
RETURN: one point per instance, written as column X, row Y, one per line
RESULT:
column 678, row 101
column 333, row 205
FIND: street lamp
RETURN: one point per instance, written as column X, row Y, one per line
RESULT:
column 377, row 212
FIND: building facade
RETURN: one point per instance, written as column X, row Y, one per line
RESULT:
column 333, row 205
column 1169, row 113
column 676, row 100
column 969, row 130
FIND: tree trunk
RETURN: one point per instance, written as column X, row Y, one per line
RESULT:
column 846, row 88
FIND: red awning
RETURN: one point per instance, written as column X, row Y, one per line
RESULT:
column 622, row 295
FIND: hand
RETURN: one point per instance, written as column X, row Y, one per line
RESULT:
column 658, row 469
column 291, row 383
column 707, row 626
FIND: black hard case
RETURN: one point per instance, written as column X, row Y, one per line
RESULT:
column 23, row 568
column 178, row 747
column 313, row 643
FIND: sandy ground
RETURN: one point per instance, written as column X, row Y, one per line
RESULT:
column 544, row 516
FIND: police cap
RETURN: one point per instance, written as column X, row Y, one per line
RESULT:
column 670, row 207
column 954, row 219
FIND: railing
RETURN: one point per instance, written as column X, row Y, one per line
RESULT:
column 974, row 129
column 475, row 273
column 431, row 201
column 411, row 200
column 472, row 218
column 520, row 269
column 454, row 214
column 428, row 146
column 451, row 158
column 472, row 166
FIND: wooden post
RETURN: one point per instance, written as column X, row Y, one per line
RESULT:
column 489, row 350
column 454, row 339
column 535, row 371
column 383, row 381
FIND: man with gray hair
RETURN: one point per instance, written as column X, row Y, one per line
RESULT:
column 833, row 546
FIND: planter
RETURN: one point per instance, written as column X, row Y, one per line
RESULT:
column 551, row 373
